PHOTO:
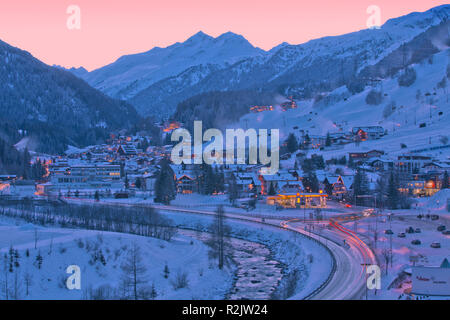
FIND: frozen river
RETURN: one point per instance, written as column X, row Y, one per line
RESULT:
column 257, row 274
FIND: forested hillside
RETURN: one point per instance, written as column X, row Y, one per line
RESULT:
column 48, row 108
column 218, row 109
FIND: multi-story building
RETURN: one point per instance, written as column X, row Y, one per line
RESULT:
column 81, row 177
column 411, row 163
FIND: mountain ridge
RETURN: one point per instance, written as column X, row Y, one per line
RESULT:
column 131, row 73
column 297, row 70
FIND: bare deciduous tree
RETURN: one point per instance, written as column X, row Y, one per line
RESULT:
column 134, row 273
column 386, row 254
column 181, row 280
column 220, row 246
column 28, row 280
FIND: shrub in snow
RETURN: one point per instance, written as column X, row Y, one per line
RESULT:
column 166, row 271
column 317, row 98
column 104, row 292
column 288, row 285
column 325, row 100
column 374, row 97
column 407, row 78
column 80, row 243
column 61, row 281
column 88, row 246
column 442, row 84
column 181, row 281
column 389, row 109
column 355, row 86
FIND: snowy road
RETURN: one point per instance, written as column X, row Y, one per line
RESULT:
column 349, row 279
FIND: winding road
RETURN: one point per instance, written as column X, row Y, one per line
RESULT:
column 351, row 257
column 351, row 254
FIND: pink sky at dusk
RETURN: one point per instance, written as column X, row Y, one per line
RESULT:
column 110, row 29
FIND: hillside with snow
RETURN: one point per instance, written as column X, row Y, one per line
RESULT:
column 101, row 257
column 414, row 117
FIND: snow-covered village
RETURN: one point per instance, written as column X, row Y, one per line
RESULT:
column 355, row 206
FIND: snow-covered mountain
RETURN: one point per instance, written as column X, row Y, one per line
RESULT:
column 415, row 117
column 157, row 80
column 329, row 59
column 171, row 90
column 133, row 73
column 299, row 70
column 46, row 108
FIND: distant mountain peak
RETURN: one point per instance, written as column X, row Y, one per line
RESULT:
column 230, row 35
column 440, row 13
column 199, row 36
column 82, row 69
column 278, row 47
column 130, row 74
column 79, row 72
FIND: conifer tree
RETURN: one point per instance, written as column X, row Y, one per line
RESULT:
column 271, row 190
column 445, row 183
column 233, row 193
column 392, row 192
column 312, row 182
column 328, row 140
column 307, row 141
column 166, row 271
column 360, row 184
column 291, row 143
column 165, row 189
column 39, row 260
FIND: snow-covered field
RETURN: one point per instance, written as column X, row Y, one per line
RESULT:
column 60, row 248
column 437, row 203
